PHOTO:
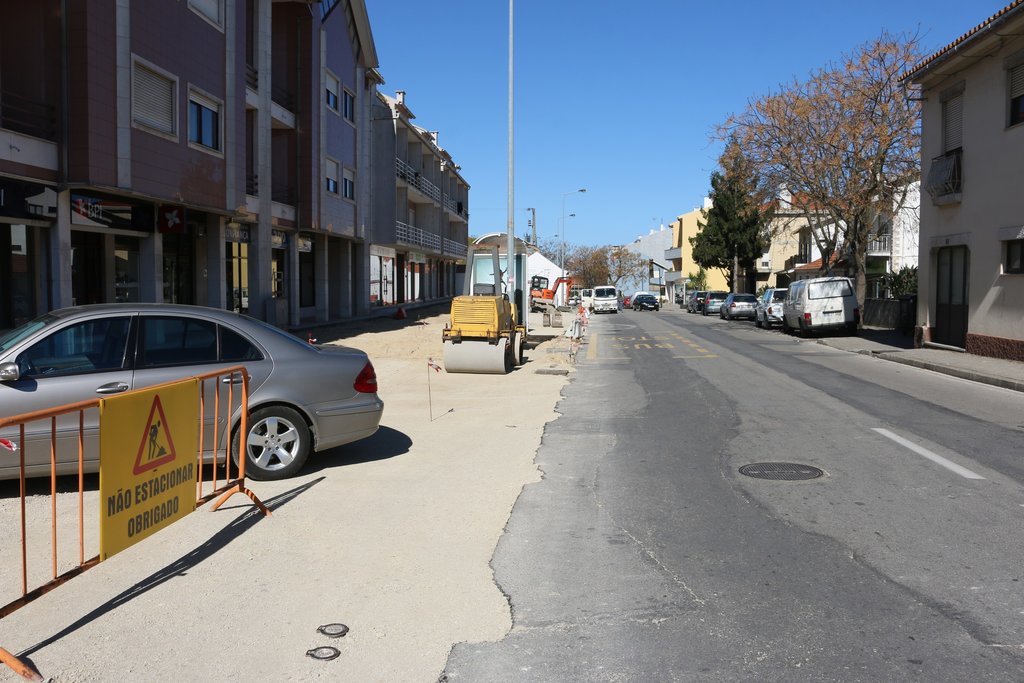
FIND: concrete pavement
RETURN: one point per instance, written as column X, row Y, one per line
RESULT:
column 893, row 346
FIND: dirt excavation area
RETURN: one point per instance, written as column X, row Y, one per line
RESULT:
column 391, row 536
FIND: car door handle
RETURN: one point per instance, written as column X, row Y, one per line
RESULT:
column 233, row 379
column 112, row 388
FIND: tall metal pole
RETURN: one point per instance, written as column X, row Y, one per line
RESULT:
column 511, row 254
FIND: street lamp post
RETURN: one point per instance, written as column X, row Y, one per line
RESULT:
column 561, row 250
column 561, row 241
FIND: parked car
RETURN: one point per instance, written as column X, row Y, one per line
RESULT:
column 822, row 303
column 713, row 303
column 768, row 311
column 738, row 306
column 627, row 301
column 696, row 301
column 645, row 302
column 302, row 398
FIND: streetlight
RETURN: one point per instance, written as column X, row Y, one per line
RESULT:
column 561, row 251
column 561, row 241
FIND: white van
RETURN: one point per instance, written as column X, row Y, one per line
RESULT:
column 587, row 299
column 606, row 300
column 821, row 303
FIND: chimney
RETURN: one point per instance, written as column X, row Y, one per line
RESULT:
column 400, row 96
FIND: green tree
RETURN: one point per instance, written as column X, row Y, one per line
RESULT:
column 901, row 282
column 698, row 280
column 734, row 231
column 846, row 141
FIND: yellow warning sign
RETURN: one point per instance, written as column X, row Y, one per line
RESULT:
column 148, row 462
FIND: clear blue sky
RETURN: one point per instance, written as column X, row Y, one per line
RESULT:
column 619, row 98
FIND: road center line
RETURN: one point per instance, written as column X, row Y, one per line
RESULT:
column 938, row 459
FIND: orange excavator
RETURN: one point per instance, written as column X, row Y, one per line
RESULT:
column 542, row 298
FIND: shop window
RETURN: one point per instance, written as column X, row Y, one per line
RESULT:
column 307, row 279
column 126, row 269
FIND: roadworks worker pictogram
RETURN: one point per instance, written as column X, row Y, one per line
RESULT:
column 156, row 447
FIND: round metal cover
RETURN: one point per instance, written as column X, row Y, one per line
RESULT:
column 781, row 471
column 333, row 630
column 324, row 653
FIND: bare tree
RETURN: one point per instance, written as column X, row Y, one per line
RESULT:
column 845, row 143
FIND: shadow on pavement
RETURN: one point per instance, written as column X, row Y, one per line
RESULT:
column 238, row 526
column 385, row 443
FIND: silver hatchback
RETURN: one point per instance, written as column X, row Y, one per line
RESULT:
column 302, row 398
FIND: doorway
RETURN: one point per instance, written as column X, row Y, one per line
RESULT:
column 951, row 296
column 87, row 276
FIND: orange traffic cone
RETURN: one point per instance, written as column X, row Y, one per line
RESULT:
column 400, row 314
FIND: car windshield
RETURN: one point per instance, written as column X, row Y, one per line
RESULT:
column 645, row 297
column 14, row 336
column 604, row 292
column 829, row 289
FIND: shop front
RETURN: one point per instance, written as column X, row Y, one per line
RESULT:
column 382, row 276
column 26, row 212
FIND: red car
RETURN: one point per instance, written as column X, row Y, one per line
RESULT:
column 625, row 301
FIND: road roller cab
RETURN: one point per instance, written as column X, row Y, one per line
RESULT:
column 484, row 334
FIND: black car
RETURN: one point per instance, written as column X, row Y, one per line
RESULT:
column 645, row 302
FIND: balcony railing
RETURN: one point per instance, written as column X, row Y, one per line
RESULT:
column 798, row 260
column 252, row 77
column 945, row 177
column 415, row 237
column 880, row 245
column 282, row 96
column 456, row 249
column 284, row 194
column 27, row 116
column 405, row 171
column 252, row 184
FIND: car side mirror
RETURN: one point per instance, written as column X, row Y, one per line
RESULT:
column 9, row 372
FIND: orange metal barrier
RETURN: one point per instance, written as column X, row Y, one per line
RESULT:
column 218, row 478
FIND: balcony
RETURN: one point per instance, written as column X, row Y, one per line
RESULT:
column 456, row 249
column 414, row 237
column 945, row 178
column 798, row 260
column 29, row 117
column 673, row 253
column 673, row 276
column 880, row 246
column 405, row 172
column 456, row 207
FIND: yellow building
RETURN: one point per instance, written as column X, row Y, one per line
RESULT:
column 680, row 255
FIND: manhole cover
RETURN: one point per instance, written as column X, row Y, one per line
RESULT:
column 780, row 471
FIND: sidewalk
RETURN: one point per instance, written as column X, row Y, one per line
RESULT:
column 893, row 346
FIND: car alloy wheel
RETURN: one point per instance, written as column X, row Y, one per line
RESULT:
column 277, row 445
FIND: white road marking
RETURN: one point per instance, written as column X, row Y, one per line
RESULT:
column 938, row 459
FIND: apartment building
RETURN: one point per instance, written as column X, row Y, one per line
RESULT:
column 971, row 259
column 420, row 209
column 680, row 255
column 202, row 152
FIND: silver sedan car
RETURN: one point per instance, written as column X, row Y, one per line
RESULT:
column 302, row 398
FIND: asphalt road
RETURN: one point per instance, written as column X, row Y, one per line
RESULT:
column 643, row 553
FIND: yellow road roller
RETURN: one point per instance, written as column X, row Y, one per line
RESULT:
column 483, row 335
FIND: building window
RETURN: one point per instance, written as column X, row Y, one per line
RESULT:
column 203, row 121
column 1014, row 257
column 331, row 173
column 349, row 187
column 1017, row 95
column 333, row 87
column 350, row 106
column 154, row 97
column 213, row 10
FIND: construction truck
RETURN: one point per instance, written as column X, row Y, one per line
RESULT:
column 543, row 297
column 485, row 334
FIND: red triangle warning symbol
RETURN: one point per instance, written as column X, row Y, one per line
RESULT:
column 156, row 447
